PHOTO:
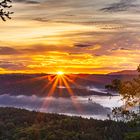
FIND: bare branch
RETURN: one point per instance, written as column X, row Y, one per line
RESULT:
column 4, row 13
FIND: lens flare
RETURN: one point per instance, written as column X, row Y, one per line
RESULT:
column 60, row 73
column 52, row 84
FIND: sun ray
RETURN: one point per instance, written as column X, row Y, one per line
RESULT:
column 51, row 91
column 60, row 86
column 72, row 95
column 55, row 82
column 48, row 84
column 31, row 79
column 72, row 81
column 53, row 87
column 68, row 87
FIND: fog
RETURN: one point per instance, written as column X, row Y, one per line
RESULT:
column 90, row 106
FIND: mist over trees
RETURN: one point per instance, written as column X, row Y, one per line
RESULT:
column 130, row 91
column 4, row 9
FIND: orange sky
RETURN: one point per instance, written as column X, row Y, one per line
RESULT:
column 71, row 36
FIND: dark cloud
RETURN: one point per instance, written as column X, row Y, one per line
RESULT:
column 83, row 45
column 39, row 48
column 11, row 66
column 8, row 51
column 27, row 1
column 122, row 5
column 123, row 49
column 34, row 49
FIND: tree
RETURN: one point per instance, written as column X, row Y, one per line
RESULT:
column 130, row 91
column 4, row 13
column 138, row 69
column 114, row 86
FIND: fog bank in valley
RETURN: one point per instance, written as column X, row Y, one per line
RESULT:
column 73, row 105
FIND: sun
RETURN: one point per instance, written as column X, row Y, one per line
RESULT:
column 60, row 73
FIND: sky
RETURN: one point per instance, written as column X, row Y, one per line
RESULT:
column 73, row 36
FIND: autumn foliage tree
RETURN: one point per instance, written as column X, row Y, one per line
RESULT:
column 4, row 12
column 130, row 91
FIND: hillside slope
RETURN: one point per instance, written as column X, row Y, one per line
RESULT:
column 19, row 124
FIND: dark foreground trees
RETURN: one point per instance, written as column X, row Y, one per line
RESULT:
column 4, row 12
column 19, row 124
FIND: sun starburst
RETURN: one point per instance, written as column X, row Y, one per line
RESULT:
column 60, row 73
column 53, row 87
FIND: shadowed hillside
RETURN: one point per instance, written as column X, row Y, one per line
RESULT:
column 20, row 124
column 40, row 84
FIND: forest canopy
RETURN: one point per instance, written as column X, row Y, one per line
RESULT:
column 20, row 124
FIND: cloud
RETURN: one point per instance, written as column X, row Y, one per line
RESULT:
column 41, row 19
column 121, row 48
column 8, row 51
column 82, row 45
column 27, row 1
column 122, row 5
column 79, row 56
column 12, row 66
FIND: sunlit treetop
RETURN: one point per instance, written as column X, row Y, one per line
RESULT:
column 4, row 13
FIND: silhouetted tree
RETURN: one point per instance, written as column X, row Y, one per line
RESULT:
column 114, row 86
column 120, row 114
column 4, row 13
column 138, row 69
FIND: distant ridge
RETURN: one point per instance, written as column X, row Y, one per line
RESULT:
column 124, row 72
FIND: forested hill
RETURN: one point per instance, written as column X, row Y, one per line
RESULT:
column 20, row 124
